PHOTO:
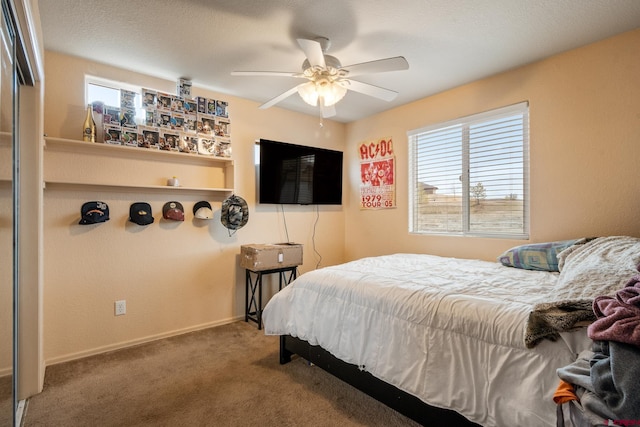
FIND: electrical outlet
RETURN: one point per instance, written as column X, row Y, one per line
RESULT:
column 121, row 307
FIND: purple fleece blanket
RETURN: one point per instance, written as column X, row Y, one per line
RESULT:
column 618, row 318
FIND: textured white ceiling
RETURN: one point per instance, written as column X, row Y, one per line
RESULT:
column 446, row 42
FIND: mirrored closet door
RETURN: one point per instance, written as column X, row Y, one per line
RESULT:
column 8, row 221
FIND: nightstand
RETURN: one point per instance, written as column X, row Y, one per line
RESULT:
column 253, row 302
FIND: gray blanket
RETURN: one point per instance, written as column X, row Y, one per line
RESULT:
column 615, row 368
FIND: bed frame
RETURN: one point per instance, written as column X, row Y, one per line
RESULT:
column 386, row 393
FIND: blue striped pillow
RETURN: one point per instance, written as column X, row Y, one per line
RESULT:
column 537, row 256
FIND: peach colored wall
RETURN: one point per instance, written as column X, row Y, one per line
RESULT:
column 584, row 144
column 584, row 151
column 174, row 277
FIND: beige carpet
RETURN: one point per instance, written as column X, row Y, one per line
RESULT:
column 223, row 376
column 6, row 412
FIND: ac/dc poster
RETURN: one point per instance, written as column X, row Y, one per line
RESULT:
column 377, row 174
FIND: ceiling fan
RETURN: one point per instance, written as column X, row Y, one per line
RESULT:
column 327, row 80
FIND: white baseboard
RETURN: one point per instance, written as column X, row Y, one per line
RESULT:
column 20, row 411
column 121, row 345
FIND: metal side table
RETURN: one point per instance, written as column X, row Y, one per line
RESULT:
column 253, row 302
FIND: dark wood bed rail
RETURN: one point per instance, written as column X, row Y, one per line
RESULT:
column 388, row 394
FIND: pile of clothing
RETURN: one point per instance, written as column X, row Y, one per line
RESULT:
column 602, row 387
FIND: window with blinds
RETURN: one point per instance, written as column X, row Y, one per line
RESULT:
column 470, row 176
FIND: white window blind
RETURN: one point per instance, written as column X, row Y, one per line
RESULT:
column 470, row 176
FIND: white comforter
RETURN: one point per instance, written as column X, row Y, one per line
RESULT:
column 446, row 330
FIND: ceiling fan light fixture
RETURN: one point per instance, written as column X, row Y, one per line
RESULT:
column 331, row 93
column 308, row 93
column 328, row 82
column 328, row 92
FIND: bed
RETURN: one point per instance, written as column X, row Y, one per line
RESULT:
column 450, row 341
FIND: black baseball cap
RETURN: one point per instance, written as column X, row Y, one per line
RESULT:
column 140, row 213
column 94, row 212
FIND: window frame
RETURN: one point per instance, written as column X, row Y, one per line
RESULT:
column 116, row 86
column 111, row 84
column 465, row 123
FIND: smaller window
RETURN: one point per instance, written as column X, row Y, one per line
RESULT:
column 470, row 176
column 108, row 92
column 108, row 95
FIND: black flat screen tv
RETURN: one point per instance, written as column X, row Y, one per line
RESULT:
column 297, row 174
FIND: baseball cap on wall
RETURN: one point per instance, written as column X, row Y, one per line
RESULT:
column 202, row 210
column 94, row 212
column 140, row 213
column 173, row 211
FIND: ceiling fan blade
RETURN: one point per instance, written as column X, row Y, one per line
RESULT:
column 396, row 63
column 266, row 73
column 368, row 89
column 313, row 51
column 280, row 97
column 326, row 112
